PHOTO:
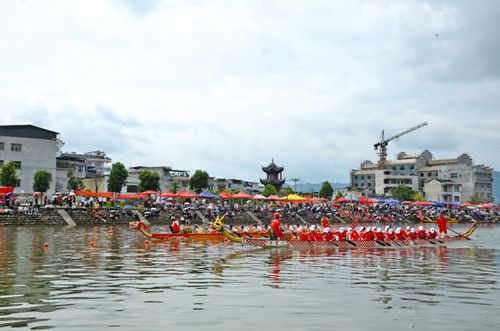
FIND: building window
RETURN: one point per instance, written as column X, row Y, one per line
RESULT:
column 1, row 163
column 15, row 147
column 362, row 177
column 369, row 177
column 394, row 168
column 369, row 184
column 412, row 167
column 402, row 168
column 17, row 165
column 454, row 175
column 18, row 183
column 2, row 146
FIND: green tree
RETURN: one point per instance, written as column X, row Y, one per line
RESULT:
column 269, row 190
column 149, row 181
column 339, row 195
column 199, row 181
column 287, row 191
column 117, row 177
column 403, row 193
column 475, row 199
column 418, row 197
column 41, row 181
column 8, row 175
column 326, row 190
column 74, row 183
column 174, row 186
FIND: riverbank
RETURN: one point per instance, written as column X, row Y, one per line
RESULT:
column 86, row 217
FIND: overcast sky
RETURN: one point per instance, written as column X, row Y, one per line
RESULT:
column 225, row 86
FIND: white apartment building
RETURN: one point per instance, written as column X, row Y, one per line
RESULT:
column 32, row 149
column 418, row 170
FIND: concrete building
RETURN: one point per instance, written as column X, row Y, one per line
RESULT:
column 32, row 149
column 167, row 176
column 83, row 166
column 223, row 184
column 417, row 170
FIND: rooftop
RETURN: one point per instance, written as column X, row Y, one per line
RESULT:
column 27, row 131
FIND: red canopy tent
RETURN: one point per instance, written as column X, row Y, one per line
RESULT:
column 132, row 196
column 340, row 200
column 186, row 194
column 95, row 194
column 260, row 197
column 169, row 194
column 407, row 202
column 273, row 197
column 5, row 190
column 242, row 195
column 149, row 192
column 366, row 201
column 467, row 204
column 225, row 195
column 421, row 203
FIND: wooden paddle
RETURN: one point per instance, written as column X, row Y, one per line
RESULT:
column 461, row 235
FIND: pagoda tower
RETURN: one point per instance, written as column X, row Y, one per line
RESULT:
column 274, row 176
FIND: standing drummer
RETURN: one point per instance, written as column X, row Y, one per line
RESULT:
column 442, row 224
column 275, row 233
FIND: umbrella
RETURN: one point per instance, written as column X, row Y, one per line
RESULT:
column 467, row 204
column 127, row 207
column 421, row 203
column 208, row 195
column 260, row 197
column 390, row 201
column 273, row 197
column 242, row 195
column 149, row 192
column 225, row 195
column 186, row 194
column 293, row 197
column 169, row 194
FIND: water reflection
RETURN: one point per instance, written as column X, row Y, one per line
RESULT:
column 78, row 285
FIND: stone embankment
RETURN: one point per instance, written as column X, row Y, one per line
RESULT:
column 88, row 217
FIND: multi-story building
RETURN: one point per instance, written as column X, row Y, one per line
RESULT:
column 82, row 166
column 223, row 184
column 32, row 149
column 167, row 177
column 418, row 170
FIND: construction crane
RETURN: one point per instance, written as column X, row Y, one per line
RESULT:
column 382, row 144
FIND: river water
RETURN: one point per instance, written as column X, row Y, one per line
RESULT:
column 122, row 283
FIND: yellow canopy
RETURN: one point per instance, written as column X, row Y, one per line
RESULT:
column 293, row 197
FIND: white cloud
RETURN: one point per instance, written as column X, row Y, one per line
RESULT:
column 225, row 86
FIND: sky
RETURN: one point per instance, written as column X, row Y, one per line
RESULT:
column 227, row 86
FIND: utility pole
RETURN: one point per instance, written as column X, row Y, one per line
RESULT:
column 295, row 180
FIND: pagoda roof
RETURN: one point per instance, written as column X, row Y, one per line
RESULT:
column 272, row 167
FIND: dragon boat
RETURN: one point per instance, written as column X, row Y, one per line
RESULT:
column 143, row 228
column 262, row 242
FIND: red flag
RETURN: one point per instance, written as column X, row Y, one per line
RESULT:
column 420, row 215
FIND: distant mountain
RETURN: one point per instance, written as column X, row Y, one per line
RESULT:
column 313, row 187
column 496, row 186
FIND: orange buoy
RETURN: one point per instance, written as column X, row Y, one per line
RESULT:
column 91, row 244
column 45, row 245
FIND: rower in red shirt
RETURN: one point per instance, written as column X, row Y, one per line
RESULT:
column 406, row 233
column 354, row 235
column 412, row 234
column 379, row 235
column 328, row 234
column 390, row 235
column 368, row 235
column 342, row 234
column 175, row 227
column 275, row 233
column 421, row 233
column 303, row 233
column 432, row 234
column 325, row 222
column 317, row 235
column 399, row 234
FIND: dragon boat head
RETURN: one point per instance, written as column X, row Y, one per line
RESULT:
column 218, row 225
